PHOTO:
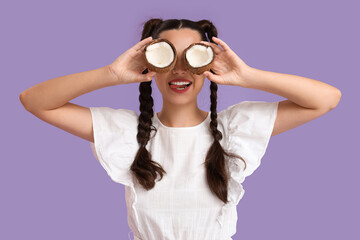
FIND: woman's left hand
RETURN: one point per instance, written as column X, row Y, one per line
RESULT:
column 229, row 69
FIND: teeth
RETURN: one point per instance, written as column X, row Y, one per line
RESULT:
column 179, row 83
column 182, row 88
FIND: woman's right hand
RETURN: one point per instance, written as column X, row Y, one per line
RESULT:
column 128, row 67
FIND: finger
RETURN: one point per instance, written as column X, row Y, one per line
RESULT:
column 149, row 76
column 212, row 77
column 221, row 43
column 142, row 43
column 216, row 48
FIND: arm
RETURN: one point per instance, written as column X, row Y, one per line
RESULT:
column 49, row 100
column 305, row 92
column 56, row 92
column 307, row 99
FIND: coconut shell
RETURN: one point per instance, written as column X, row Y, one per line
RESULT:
column 198, row 70
column 157, row 69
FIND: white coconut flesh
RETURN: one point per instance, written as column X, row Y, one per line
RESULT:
column 160, row 54
column 199, row 55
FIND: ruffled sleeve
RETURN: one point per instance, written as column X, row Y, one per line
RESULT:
column 115, row 144
column 248, row 126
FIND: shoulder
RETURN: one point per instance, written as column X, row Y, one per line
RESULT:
column 111, row 113
column 106, row 118
column 246, row 111
column 248, row 120
column 247, row 128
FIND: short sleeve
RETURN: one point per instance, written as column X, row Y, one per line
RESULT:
column 248, row 126
column 115, row 144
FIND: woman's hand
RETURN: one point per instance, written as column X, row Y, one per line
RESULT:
column 229, row 69
column 128, row 67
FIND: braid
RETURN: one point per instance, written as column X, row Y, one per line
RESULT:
column 213, row 124
column 150, row 27
column 208, row 28
column 146, row 113
column 145, row 169
column 216, row 172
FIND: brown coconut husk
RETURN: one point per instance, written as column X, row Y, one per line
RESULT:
column 198, row 70
column 157, row 69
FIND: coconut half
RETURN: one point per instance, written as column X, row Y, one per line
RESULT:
column 198, row 58
column 160, row 55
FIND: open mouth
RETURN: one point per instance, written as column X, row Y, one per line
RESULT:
column 179, row 86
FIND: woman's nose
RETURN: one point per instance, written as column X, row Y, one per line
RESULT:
column 180, row 65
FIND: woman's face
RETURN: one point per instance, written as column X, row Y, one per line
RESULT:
column 181, row 39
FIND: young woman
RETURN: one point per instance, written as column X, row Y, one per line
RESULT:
column 183, row 167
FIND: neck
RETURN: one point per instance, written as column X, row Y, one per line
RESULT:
column 181, row 115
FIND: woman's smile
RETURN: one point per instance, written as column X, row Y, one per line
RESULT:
column 179, row 85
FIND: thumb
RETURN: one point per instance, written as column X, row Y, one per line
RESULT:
column 148, row 77
column 212, row 77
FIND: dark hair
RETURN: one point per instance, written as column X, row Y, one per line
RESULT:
column 143, row 167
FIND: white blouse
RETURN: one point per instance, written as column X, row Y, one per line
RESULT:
column 181, row 205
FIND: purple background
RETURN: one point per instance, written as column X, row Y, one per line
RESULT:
column 52, row 187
